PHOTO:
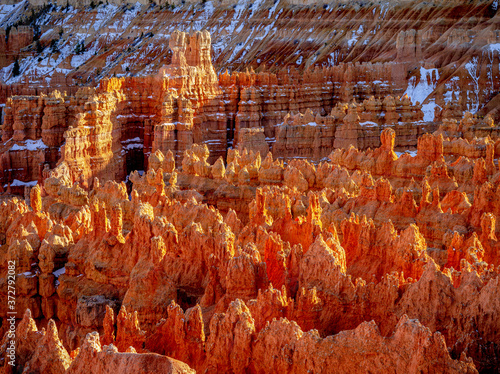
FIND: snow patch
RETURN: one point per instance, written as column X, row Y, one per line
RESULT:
column 18, row 183
column 6, row 11
column 333, row 59
column 30, row 145
column 28, row 274
column 46, row 33
column 240, row 46
column 133, row 140
column 273, row 9
column 472, row 68
column 134, row 146
column 256, row 5
column 355, row 36
column 419, row 92
column 103, row 15
column 493, row 47
column 368, row 124
column 411, row 153
column 59, row 272
column 384, row 8
column 452, row 89
column 209, row 9
column 428, row 110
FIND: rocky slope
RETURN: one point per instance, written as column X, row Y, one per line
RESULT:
column 301, row 187
column 433, row 50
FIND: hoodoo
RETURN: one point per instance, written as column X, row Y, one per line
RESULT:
column 276, row 186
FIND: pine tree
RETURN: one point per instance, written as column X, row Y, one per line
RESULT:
column 53, row 46
column 39, row 47
column 16, row 70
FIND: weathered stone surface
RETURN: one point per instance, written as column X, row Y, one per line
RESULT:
column 331, row 202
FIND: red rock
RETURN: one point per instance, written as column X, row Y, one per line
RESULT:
column 93, row 357
column 301, row 213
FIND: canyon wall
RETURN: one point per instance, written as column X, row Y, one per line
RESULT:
column 250, row 187
column 110, row 130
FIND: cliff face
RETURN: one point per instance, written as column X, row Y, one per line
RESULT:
column 110, row 130
column 358, row 125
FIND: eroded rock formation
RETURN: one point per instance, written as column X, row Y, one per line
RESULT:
column 328, row 202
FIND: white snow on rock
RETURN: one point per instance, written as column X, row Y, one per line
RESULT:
column 368, row 124
column 452, row 88
column 18, row 183
column 419, row 92
column 30, row 145
column 133, row 140
column 104, row 14
column 411, row 153
column 493, row 47
column 59, row 272
column 134, row 146
column 473, row 70
column 273, row 9
column 28, row 274
column 355, row 36
column 32, row 66
column 6, row 11
column 429, row 109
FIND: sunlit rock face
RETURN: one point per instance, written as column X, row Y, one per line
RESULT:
column 250, row 187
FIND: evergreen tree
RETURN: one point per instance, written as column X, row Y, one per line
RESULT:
column 16, row 70
column 53, row 46
column 39, row 47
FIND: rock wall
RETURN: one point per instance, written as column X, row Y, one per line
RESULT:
column 12, row 42
column 111, row 130
column 314, row 137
